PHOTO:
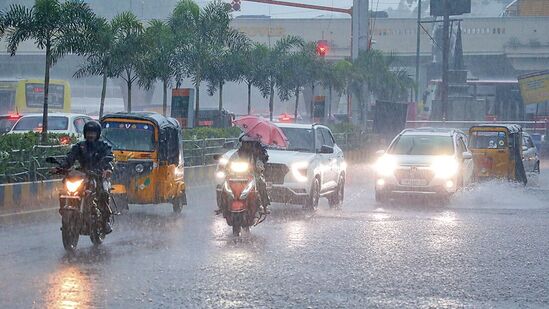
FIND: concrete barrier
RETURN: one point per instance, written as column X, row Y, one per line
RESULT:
column 26, row 196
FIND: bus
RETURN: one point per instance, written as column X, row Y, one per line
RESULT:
column 27, row 96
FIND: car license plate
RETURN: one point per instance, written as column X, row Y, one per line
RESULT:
column 414, row 182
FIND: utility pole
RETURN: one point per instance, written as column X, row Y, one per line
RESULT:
column 359, row 42
column 445, row 59
column 418, row 48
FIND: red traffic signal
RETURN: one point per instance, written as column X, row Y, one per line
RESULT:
column 235, row 5
column 322, row 48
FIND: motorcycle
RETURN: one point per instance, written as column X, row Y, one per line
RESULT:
column 240, row 197
column 79, row 208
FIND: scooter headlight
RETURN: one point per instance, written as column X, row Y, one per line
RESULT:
column 72, row 186
column 240, row 167
column 247, row 190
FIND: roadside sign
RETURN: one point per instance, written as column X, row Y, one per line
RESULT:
column 534, row 87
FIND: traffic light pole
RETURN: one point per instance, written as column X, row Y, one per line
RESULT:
column 445, row 60
column 418, row 48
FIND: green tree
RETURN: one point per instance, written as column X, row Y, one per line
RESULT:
column 274, row 63
column 58, row 28
column 99, row 58
column 158, row 58
column 297, row 69
column 252, row 63
column 225, row 63
column 128, row 50
column 334, row 77
column 198, row 32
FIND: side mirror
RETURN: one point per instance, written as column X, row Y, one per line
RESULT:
column 524, row 148
column 52, row 160
column 216, row 157
column 380, row 152
column 229, row 145
column 467, row 155
column 326, row 149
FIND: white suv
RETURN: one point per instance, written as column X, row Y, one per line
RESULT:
column 424, row 161
column 310, row 168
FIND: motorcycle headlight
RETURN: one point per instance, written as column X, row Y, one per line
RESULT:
column 299, row 171
column 240, row 167
column 139, row 168
column 385, row 165
column 72, row 186
column 445, row 167
column 247, row 190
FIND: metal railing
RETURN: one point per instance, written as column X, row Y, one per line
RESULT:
column 29, row 165
column 201, row 152
column 539, row 126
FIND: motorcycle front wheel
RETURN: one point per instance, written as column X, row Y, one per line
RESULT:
column 237, row 221
column 70, row 232
column 96, row 230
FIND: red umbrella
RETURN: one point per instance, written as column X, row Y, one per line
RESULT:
column 264, row 130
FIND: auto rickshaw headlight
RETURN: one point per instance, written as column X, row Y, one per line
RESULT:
column 72, row 186
column 139, row 168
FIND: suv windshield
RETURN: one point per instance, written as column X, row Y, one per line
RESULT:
column 427, row 145
column 35, row 122
column 129, row 136
column 299, row 139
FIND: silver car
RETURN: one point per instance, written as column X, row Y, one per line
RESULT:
column 425, row 161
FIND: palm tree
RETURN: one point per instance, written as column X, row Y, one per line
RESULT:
column 128, row 49
column 274, row 63
column 297, row 69
column 252, row 66
column 334, row 76
column 157, row 62
column 58, row 28
column 99, row 58
column 198, row 32
column 224, row 65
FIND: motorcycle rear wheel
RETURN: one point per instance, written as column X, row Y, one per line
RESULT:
column 69, row 230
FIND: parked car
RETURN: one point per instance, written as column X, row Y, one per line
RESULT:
column 57, row 123
column 426, row 161
column 530, row 154
column 7, row 122
column 310, row 168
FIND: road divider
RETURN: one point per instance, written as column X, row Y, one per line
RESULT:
column 27, row 196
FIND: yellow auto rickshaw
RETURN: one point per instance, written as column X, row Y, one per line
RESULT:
column 497, row 152
column 148, row 153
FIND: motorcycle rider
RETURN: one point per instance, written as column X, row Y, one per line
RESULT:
column 252, row 150
column 95, row 155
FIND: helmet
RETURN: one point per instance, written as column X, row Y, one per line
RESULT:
column 246, row 138
column 92, row 126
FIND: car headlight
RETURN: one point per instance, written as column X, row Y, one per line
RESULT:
column 385, row 165
column 72, row 186
column 247, row 190
column 299, row 171
column 240, row 167
column 445, row 167
column 139, row 168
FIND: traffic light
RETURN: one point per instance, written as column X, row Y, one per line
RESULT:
column 235, row 4
column 322, row 48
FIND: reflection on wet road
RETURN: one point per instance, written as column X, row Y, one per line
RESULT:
column 488, row 248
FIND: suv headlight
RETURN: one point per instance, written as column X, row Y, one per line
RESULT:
column 385, row 165
column 445, row 167
column 299, row 171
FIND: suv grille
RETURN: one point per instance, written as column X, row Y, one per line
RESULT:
column 414, row 173
column 275, row 173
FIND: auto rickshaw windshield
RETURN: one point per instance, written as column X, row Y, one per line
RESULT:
column 488, row 140
column 129, row 136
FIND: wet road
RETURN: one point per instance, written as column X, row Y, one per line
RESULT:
column 488, row 248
